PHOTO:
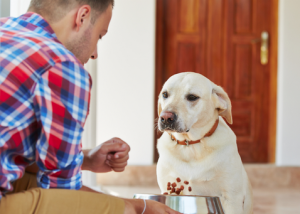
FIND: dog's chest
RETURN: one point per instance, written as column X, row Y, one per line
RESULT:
column 201, row 167
column 203, row 178
column 193, row 172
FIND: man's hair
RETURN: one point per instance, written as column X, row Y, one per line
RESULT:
column 57, row 9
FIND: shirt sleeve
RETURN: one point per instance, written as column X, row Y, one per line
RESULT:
column 61, row 102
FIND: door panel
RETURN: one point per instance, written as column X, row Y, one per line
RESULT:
column 220, row 40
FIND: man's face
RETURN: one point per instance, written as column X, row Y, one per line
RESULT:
column 84, row 46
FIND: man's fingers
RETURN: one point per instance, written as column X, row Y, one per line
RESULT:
column 114, row 145
column 117, row 165
column 121, row 157
column 109, row 147
column 118, row 169
column 107, row 168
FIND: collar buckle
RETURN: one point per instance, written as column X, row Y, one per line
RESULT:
column 187, row 142
column 174, row 139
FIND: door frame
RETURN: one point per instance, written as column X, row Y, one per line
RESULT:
column 273, row 83
column 273, row 59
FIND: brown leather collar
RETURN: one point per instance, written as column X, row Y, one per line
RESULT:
column 187, row 143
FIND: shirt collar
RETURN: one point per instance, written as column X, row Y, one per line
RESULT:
column 39, row 21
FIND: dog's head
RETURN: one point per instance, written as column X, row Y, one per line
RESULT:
column 190, row 101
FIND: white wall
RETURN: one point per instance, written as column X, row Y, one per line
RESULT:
column 288, row 120
column 18, row 7
column 126, row 79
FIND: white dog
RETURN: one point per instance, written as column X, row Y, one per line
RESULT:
column 203, row 149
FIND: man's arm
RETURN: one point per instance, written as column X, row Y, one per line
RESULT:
column 86, row 160
column 111, row 155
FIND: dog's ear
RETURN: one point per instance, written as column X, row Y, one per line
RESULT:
column 159, row 109
column 222, row 103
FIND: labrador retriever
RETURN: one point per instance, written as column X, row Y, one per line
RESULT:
column 197, row 145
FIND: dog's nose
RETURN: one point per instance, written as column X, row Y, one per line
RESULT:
column 167, row 117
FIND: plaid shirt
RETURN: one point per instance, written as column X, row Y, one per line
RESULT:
column 44, row 102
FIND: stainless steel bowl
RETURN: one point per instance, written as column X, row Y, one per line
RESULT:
column 187, row 204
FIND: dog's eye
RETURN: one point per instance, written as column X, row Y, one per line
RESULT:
column 192, row 97
column 165, row 95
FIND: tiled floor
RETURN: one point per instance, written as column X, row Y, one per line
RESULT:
column 266, row 201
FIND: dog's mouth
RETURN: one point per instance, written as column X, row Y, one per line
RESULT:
column 170, row 122
column 173, row 130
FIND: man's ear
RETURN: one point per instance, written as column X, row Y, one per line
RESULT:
column 83, row 15
column 159, row 109
column 222, row 103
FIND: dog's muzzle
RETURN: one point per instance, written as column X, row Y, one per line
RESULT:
column 167, row 120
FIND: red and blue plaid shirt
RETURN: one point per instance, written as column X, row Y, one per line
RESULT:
column 44, row 102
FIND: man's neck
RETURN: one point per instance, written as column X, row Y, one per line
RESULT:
column 60, row 28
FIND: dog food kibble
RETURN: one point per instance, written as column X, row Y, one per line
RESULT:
column 179, row 189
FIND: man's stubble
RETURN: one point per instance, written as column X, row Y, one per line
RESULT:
column 80, row 47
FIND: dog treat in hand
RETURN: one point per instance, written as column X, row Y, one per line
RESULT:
column 190, row 189
column 169, row 184
column 178, row 179
column 165, row 193
column 174, row 184
column 169, row 188
column 178, row 191
column 186, row 182
column 182, row 187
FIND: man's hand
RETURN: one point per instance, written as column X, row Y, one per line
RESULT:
column 110, row 155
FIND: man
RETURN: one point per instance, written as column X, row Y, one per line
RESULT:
column 44, row 102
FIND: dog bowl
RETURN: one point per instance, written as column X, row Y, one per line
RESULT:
column 188, row 204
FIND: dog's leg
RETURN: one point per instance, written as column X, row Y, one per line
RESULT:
column 248, row 202
column 233, row 204
column 163, row 176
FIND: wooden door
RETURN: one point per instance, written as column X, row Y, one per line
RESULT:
column 221, row 40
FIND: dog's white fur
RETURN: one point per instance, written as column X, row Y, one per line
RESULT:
column 213, row 167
